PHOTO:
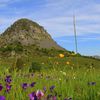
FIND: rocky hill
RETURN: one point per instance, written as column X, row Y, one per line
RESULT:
column 27, row 38
column 27, row 32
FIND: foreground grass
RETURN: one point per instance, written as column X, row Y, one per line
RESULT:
column 69, row 82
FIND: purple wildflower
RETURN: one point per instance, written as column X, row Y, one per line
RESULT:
column 49, row 96
column 24, row 85
column 32, row 84
column 52, row 87
column 39, row 94
column 32, row 96
column 54, row 98
column 8, row 79
column 44, row 88
column 8, row 87
column 9, row 76
column 2, row 98
column 1, row 87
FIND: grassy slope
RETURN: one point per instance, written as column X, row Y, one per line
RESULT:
column 69, row 81
column 54, row 61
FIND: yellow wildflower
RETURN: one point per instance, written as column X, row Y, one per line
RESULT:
column 61, row 55
column 67, row 62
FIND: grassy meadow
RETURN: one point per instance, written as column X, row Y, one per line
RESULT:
column 60, row 78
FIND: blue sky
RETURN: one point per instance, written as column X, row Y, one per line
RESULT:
column 57, row 18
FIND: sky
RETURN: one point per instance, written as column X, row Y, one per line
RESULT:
column 56, row 16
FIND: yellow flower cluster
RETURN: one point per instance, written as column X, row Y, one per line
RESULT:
column 61, row 55
column 67, row 62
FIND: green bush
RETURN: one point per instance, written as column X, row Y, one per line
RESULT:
column 4, row 49
column 10, row 47
column 17, row 65
column 35, row 66
column 18, row 48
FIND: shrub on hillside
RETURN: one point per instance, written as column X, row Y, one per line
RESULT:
column 19, row 64
column 35, row 66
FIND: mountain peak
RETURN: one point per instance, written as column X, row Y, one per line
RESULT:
column 26, row 32
column 25, row 21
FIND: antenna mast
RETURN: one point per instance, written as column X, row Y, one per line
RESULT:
column 74, row 22
column 75, row 35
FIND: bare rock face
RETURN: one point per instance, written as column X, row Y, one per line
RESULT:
column 27, row 32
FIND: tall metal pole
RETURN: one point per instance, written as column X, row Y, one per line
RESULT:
column 75, row 35
column 74, row 22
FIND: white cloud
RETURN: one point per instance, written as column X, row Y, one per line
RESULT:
column 57, row 16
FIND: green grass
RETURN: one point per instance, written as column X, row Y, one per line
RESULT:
column 69, row 80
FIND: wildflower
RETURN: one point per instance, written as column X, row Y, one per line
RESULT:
column 52, row 87
column 61, row 55
column 1, row 87
column 32, row 84
column 67, row 62
column 8, row 79
column 54, row 98
column 44, row 88
column 2, row 98
column 24, row 85
column 9, row 76
column 32, row 96
column 39, row 94
column 8, row 87
column 91, row 83
column 49, row 96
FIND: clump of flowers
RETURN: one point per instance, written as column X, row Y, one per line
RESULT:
column 32, row 84
column 2, row 98
column 67, row 62
column 44, row 88
column 61, row 55
column 39, row 94
column 36, row 95
column 52, row 88
column 8, row 87
column 8, row 81
column 26, row 85
column 33, row 96
column 51, row 97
